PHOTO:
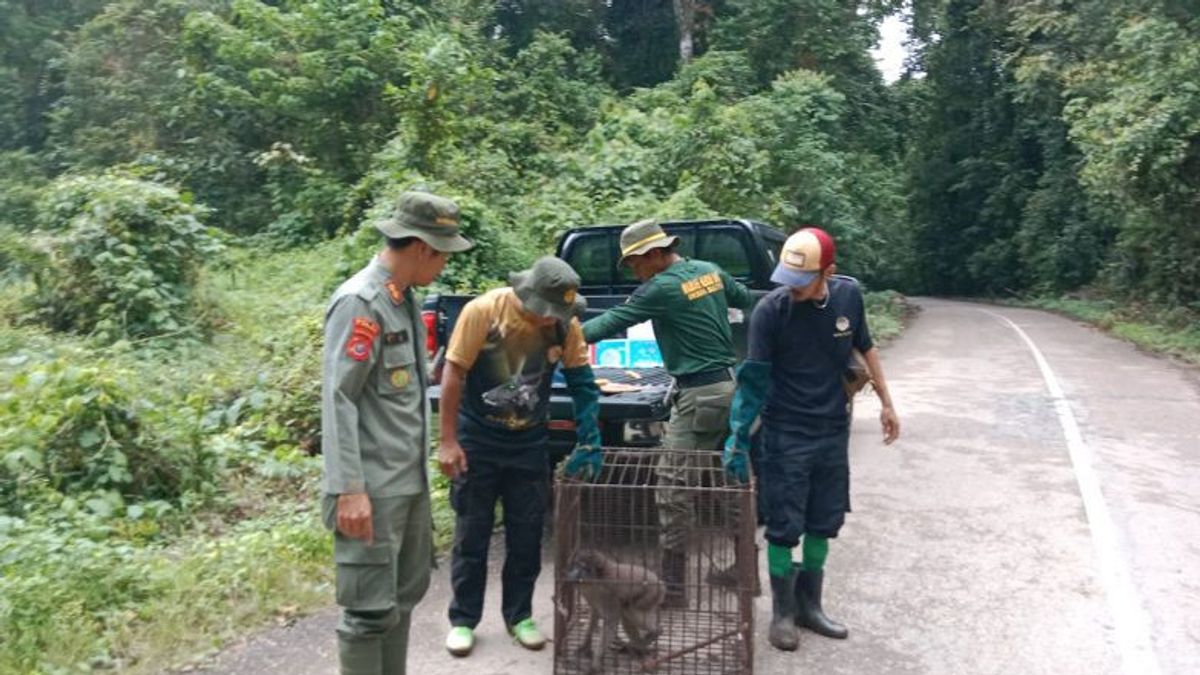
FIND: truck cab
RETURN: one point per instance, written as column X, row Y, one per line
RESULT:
column 745, row 249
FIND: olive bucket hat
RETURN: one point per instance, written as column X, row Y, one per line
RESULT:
column 642, row 236
column 428, row 217
column 549, row 288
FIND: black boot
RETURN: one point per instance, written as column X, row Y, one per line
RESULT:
column 784, row 613
column 674, row 576
column 808, row 597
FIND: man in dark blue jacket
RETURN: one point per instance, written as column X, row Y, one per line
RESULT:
column 801, row 340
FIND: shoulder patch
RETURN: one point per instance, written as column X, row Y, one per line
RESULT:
column 362, row 338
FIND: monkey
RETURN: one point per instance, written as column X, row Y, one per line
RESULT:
column 617, row 591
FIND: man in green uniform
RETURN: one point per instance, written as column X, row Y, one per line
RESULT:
column 687, row 302
column 374, row 435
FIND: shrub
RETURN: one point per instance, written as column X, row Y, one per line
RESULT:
column 68, row 425
column 21, row 179
column 123, row 257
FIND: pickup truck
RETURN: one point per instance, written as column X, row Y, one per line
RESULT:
column 745, row 249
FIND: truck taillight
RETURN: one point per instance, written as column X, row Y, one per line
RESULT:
column 429, row 318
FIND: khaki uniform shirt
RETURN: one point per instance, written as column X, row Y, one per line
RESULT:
column 374, row 414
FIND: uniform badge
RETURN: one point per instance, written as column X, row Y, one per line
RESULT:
column 400, row 378
column 395, row 293
column 843, row 324
column 362, row 337
column 396, row 338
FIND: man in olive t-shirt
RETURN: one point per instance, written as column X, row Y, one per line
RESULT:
column 494, row 411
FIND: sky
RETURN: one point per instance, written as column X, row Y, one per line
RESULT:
column 890, row 54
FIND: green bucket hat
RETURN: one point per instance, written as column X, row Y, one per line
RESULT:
column 642, row 236
column 428, row 217
column 549, row 288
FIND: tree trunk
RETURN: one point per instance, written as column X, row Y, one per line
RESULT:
column 685, row 18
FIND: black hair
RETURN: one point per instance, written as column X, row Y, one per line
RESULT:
column 400, row 243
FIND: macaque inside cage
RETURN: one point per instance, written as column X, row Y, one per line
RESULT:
column 655, row 567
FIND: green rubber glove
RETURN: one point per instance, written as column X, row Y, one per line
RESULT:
column 581, row 383
column 585, row 463
column 753, row 380
column 736, row 462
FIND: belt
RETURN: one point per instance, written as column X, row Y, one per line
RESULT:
column 702, row 378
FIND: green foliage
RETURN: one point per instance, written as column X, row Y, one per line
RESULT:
column 1175, row 331
column 1059, row 145
column 32, row 34
column 69, row 426
column 124, row 255
column 22, row 177
column 1136, row 116
column 78, row 594
column 887, row 311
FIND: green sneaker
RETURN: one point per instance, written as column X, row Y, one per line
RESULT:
column 527, row 634
column 460, row 641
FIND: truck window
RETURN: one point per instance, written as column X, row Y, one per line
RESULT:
column 592, row 258
column 725, row 247
column 774, row 248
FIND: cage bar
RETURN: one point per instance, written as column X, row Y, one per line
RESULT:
column 708, row 628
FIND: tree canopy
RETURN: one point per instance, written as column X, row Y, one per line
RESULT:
column 1038, row 147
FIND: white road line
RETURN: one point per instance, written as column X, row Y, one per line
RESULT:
column 1130, row 620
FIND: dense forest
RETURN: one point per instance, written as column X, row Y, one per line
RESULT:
column 1038, row 146
column 182, row 182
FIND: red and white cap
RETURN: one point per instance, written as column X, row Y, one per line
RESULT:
column 805, row 255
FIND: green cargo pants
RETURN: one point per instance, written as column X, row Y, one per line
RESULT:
column 378, row 584
column 699, row 422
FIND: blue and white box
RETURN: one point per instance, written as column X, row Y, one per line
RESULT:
column 612, row 353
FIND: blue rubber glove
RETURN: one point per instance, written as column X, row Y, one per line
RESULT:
column 736, row 462
column 585, row 463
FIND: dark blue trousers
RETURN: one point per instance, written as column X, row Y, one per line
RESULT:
column 519, row 482
column 805, row 477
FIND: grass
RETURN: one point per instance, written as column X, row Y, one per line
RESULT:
column 887, row 312
column 1175, row 332
column 139, row 594
column 114, row 605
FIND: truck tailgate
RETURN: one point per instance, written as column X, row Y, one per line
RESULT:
column 648, row 403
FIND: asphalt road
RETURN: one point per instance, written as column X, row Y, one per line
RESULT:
column 1040, row 514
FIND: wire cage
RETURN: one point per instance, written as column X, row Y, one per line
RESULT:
column 662, row 546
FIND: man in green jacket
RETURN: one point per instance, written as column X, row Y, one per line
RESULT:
column 687, row 302
column 374, row 435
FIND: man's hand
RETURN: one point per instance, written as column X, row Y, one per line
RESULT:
column 736, row 462
column 452, row 459
column 585, row 463
column 354, row 517
column 891, row 424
